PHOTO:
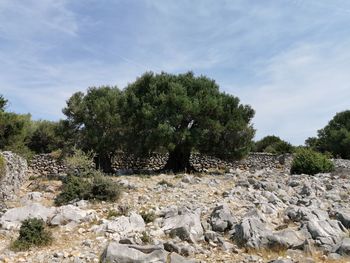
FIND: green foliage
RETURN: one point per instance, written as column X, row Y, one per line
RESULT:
column 104, row 189
column 93, row 121
column 307, row 161
column 113, row 213
column 44, row 138
column 32, row 233
column 3, row 103
column 146, row 238
column 166, row 183
column 148, row 217
column 273, row 144
column 73, row 188
column 80, row 163
column 2, row 166
column 15, row 130
column 98, row 188
column 334, row 137
column 182, row 113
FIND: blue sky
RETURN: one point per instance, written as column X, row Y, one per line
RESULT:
column 288, row 59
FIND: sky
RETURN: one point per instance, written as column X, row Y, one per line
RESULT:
column 288, row 59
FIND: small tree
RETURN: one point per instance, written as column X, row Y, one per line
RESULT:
column 3, row 103
column 273, row 144
column 94, row 117
column 183, row 113
column 44, row 138
column 334, row 137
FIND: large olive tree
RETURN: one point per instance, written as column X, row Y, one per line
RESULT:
column 183, row 113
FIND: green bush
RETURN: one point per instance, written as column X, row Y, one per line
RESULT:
column 80, row 163
column 32, row 233
column 73, row 188
column 273, row 144
column 166, row 183
column 104, row 189
column 2, row 166
column 307, row 161
column 97, row 188
column 148, row 217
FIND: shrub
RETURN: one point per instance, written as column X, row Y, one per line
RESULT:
column 273, row 144
column 2, row 166
column 99, row 188
column 148, row 217
column 310, row 162
column 80, row 163
column 32, row 233
column 104, row 189
column 73, row 188
column 146, row 238
column 166, row 183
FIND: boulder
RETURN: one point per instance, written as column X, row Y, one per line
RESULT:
column 327, row 233
column 123, row 225
column 285, row 239
column 252, row 233
column 186, row 225
column 122, row 253
column 302, row 214
column 70, row 213
column 221, row 219
column 344, row 247
column 344, row 217
column 12, row 218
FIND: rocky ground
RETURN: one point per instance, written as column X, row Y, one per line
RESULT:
column 241, row 216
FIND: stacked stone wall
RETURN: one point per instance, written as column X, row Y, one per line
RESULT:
column 45, row 164
column 15, row 174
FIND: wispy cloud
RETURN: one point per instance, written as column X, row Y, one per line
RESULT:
column 304, row 87
column 287, row 58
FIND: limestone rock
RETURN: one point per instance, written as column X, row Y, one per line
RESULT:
column 121, row 253
column 70, row 213
column 123, row 225
column 187, row 226
column 327, row 232
column 12, row 218
column 221, row 218
column 344, row 248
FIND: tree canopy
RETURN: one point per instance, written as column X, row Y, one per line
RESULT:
column 273, row 144
column 94, row 118
column 3, row 103
column 182, row 113
column 334, row 137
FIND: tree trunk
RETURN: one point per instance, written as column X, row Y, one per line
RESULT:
column 104, row 162
column 179, row 160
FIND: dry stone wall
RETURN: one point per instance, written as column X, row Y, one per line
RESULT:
column 14, row 176
column 45, row 164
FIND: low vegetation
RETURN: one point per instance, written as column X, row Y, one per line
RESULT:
column 2, row 166
column 32, row 233
column 148, row 217
column 273, row 144
column 307, row 161
column 165, row 183
column 98, row 188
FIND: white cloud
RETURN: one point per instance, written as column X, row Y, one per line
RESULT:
column 304, row 88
